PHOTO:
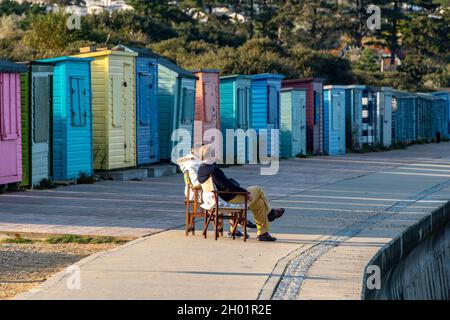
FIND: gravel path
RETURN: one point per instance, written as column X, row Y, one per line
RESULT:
column 24, row 266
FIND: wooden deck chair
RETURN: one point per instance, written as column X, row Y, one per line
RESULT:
column 217, row 211
column 192, row 202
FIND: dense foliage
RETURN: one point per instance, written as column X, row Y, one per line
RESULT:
column 298, row 38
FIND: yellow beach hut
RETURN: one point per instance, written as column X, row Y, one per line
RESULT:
column 113, row 107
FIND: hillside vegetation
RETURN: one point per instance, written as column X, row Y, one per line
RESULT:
column 298, row 38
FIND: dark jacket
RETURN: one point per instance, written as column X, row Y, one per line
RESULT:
column 221, row 182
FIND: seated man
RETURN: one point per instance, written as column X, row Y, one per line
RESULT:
column 258, row 202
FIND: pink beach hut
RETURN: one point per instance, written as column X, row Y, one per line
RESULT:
column 10, row 124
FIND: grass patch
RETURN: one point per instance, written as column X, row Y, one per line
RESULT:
column 69, row 238
column 17, row 240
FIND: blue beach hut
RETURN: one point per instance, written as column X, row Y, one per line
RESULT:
column 265, row 106
column 71, row 128
column 334, row 120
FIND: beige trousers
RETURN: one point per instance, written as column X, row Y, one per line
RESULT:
column 259, row 206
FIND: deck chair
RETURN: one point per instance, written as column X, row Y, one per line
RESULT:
column 192, row 203
column 216, row 211
column 193, row 191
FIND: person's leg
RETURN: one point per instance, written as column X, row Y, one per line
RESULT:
column 259, row 206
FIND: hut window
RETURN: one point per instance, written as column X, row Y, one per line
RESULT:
column 242, row 108
column 8, row 109
column 273, row 106
column 41, row 108
column 316, row 107
column 188, row 107
column 78, row 102
column 117, row 94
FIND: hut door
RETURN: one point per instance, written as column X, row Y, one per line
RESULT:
column 8, row 106
column 78, row 104
column 41, row 109
column 145, row 83
column 242, row 109
column 210, row 103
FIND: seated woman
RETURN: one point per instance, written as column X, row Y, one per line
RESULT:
column 258, row 202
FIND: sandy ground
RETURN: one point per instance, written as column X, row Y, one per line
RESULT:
column 24, row 266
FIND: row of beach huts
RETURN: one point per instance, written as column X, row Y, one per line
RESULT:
column 107, row 109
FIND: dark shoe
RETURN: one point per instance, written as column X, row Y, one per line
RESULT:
column 238, row 234
column 251, row 225
column 266, row 237
column 275, row 214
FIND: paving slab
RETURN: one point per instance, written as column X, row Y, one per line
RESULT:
column 339, row 212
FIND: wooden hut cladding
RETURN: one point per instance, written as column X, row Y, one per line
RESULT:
column 37, row 97
column 10, row 123
column 176, row 106
column 71, row 123
column 265, row 107
column 314, row 111
column 334, row 120
column 113, row 107
column 207, row 103
column 235, row 100
column 293, row 123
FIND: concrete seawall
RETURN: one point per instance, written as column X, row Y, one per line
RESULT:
column 415, row 265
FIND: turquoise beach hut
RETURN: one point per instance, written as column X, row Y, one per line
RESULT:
column 334, row 120
column 293, row 123
column 235, row 99
column 71, row 128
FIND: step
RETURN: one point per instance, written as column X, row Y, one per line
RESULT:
column 161, row 170
column 129, row 174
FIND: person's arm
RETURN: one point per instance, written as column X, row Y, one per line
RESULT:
column 223, row 183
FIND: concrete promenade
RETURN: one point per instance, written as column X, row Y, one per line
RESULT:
column 339, row 212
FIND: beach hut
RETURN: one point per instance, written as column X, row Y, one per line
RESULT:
column 403, row 117
column 36, row 97
column 176, row 106
column 71, row 121
column 235, row 99
column 265, row 107
column 293, row 123
column 207, row 103
column 10, row 123
column 445, row 95
column 113, row 84
column 314, row 111
column 384, row 116
column 361, row 116
column 334, row 120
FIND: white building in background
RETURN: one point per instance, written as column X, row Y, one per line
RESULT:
column 90, row 6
